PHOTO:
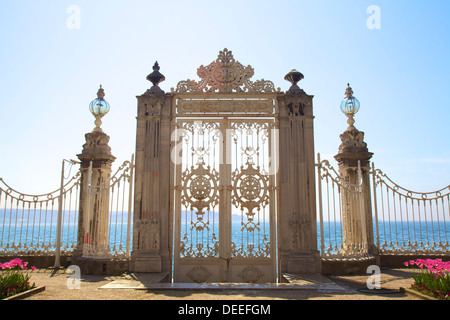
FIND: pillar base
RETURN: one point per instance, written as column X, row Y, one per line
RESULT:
column 101, row 266
column 145, row 262
column 303, row 262
column 342, row 266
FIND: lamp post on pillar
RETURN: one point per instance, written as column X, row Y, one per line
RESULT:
column 354, row 167
column 350, row 106
column 96, row 161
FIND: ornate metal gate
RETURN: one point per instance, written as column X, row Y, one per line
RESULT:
column 225, row 176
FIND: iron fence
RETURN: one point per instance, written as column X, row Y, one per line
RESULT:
column 409, row 221
column 29, row 224
column 117, row 192
column 341, row 212
column 404, row 221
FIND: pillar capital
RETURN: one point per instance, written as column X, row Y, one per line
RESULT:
column 353, row 149
column 96, row 149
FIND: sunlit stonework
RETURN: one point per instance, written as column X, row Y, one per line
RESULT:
column 225, row 75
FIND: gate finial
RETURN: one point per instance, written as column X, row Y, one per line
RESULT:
column 294, row 77
column 156, row 78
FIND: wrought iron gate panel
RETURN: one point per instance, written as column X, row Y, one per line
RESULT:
column 224, row 200
column 252, row 201
column 199, row 196
column 224, row 178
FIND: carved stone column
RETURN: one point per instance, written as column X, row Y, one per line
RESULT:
column 152, row 183
column 357, row 222
column 297, row 216
column 93, row 223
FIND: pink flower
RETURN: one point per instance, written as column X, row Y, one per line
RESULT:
column 33, row 268
column 406, row 264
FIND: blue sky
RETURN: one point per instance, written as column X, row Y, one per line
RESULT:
column 50, row 74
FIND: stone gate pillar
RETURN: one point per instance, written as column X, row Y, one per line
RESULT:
column 93, row 220
column 297, row 216
column 152, row 182
column 357, row 224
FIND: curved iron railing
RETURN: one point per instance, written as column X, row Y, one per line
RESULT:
column 118, row 191
column 28, row 223
column 409, row 221
column 336, row 197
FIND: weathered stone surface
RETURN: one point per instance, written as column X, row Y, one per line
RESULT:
column 93, row 220
column 96, row 145
column 225, row 88
column 354, row 167
column 297, row 215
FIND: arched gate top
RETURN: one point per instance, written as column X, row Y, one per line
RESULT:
column 225, row 75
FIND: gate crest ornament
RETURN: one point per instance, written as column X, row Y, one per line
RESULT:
column 250, row 189
column 200, row 188
column 225, row 75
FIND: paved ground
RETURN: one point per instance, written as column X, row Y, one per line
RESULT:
column 145, row 287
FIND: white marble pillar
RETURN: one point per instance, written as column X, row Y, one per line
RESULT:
column 93, row 223
column 151, row 229
column 297, row 222
column 357, row 222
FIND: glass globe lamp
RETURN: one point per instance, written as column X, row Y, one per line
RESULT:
column 99, row 108
column 350, row 106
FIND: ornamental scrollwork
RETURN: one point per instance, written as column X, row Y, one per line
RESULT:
column 225, row 75
column 200, row 188
column 250, row 189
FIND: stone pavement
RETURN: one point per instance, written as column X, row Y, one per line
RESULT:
column 147, row 287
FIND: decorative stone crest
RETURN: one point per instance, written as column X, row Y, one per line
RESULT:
column 149, row 234
column 299, row 232
column 296, row 104
column 97, row 143
column 225, row 75
column 199, row 274
column 251, row 274
column 352, row 141
column 150, row 104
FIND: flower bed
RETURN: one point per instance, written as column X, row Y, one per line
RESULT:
column 14, row 278
column 432, row 278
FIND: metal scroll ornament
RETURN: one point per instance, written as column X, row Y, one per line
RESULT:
column 200, row 190
column 250, row 190
column 225, row 75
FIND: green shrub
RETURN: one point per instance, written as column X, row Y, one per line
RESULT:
column 432, row 278
column 14, row 279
